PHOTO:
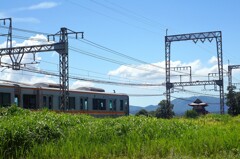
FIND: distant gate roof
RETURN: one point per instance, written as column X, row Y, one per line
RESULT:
column 198, row 102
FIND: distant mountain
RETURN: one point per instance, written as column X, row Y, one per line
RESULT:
column 135, row 109
column 181, row 105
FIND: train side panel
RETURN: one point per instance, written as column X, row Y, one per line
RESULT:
column 87, row 102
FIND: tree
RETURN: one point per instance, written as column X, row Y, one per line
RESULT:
column 165, row 110
column 233, row 101
column 237, row 109
column 191, row 114
column 142, row 112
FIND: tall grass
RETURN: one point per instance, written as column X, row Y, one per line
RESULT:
column 45, row 134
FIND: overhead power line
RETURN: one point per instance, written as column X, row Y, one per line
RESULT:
column 89, row 42
column 184, row 99
column 194, row 92
column 93, row 80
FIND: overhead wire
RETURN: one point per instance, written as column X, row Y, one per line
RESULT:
column 124, row 12
column 194, row 92
column 92, row 44
column 111, row 17
column 184, row 99
column 84, row 79
column 139, row 16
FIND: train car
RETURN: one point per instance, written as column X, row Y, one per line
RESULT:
column 85, row 100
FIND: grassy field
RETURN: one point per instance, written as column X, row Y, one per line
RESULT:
column 45, row 134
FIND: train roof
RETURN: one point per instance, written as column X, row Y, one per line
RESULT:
column 15, row 85
column 55, row 87
column 94, row 89
column 50, row 85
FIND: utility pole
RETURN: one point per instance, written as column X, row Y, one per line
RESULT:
column 17, row 53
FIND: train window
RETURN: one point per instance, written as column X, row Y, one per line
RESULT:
column 121, row 104
column 29, row 101
column 5, row 99
column 110, row 104
column 16, row 100
column 99, row 104
column 86, row 104
column 71, row 102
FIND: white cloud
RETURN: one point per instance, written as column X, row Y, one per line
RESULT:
column 13, row 75
column 77, row 84
column 153, row 74
column 34, row 40
column 147, row 71
column 213, row 60
column 42, row 5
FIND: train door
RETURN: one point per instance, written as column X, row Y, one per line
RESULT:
column 113, row 104
column 17, row 95
column 124, row 106
column 29, row 101
column 121, row 105
column 47, row 101
column 83, row 103
column 72, row 104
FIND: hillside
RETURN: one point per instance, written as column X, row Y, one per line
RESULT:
column 181, row 105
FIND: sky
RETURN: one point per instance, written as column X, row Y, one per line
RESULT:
column 124, row 42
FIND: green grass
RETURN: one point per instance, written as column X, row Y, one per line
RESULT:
column 45, row 134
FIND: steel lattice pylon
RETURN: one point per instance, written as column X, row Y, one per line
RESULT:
column 16, row 54
column 230, row 67
column 217, row 35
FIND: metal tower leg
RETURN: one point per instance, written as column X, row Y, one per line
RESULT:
column 220, row 71
column 64, row 71
column 167, row 65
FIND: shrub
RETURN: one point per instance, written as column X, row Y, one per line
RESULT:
column 191, row 114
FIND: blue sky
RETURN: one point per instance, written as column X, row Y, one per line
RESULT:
column 131, row 27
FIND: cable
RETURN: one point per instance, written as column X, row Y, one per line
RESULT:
column 193, row 92
column 123, row 55
column 145, row 95
column 91, row 80
column 92, row 44
column 125, row 12
column 184, row 99
column 26, row 31
column 111, row 17
column 108, row 59
column 137, row 15
column 95, row 45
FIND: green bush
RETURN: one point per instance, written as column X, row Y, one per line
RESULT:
column 191, row 114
